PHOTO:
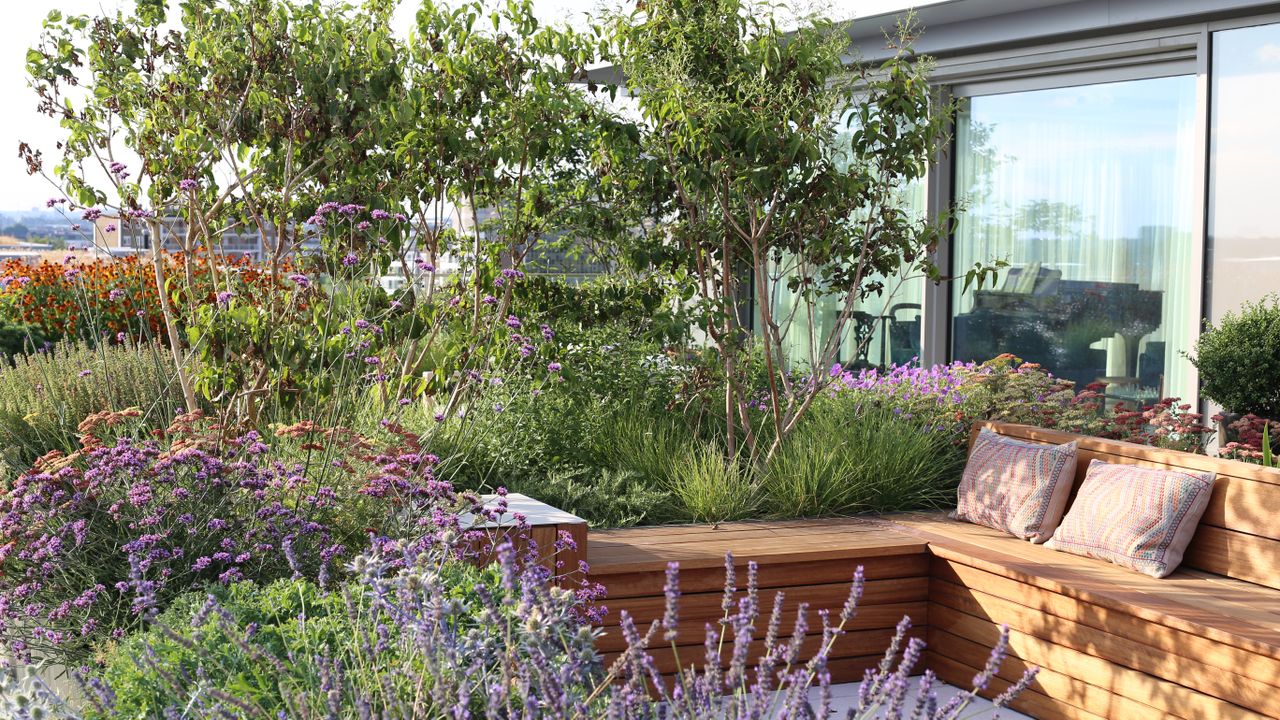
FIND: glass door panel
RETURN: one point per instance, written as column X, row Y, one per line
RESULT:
column 1087, row 193
column 1244, row 233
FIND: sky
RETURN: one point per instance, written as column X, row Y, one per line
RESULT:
column 21, row 122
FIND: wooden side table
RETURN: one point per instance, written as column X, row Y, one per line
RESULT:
column 546, row 523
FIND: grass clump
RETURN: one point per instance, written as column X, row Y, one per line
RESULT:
column 712, row 487
column 852, row 457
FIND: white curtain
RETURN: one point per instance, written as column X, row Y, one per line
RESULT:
column 1095, row 182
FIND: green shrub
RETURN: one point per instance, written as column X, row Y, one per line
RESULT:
column 606, row 497
column 45, row 395
column 596, row 439
column 1239, row 360
column 650, row 306
column 17, row 339
column 197, row 643
column 851, row 457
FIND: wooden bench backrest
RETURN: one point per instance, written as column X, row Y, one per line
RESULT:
column 1239, row 535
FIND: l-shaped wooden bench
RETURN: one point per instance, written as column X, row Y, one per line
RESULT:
column 1201, row 643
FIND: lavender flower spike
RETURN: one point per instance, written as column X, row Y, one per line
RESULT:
column 671, row 616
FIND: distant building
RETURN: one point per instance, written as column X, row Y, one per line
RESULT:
column 30, row 253
column 116, row 238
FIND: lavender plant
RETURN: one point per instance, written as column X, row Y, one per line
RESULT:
column 435, row 637
column 416, row 635
column 780, row 682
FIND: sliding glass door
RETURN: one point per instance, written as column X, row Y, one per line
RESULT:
column 1088, row 194
column 884, row 328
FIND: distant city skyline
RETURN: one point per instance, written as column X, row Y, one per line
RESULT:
column 21, row 29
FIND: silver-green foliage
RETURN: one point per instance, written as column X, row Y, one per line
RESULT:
column 45, row 395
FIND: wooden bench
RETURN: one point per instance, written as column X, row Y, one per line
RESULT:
column 1201, row 643
column 1111, row 643
column 810, row 561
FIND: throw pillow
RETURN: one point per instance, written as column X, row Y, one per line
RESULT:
column 1136, row 517
column 1016, row 486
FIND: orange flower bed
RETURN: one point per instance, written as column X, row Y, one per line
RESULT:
column 110, row 296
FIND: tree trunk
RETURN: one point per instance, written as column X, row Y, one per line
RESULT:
column 170, row 322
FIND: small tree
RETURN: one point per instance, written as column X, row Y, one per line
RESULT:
column 255, row 113
column 494, row 128
column 243, row 118
column 744, row 122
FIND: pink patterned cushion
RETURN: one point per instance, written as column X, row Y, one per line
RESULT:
column 1015, row 486
column 1136, row 517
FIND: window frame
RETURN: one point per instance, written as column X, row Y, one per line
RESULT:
column 1149, row 54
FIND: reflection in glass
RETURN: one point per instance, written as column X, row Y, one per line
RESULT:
column 1244, row 167
column 885, row 327
column 1087, row 193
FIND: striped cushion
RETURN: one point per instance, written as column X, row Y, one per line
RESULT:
column 1015, row 486
column 1136, row 517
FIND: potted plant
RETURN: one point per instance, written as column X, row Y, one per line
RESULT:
column 1239, row 363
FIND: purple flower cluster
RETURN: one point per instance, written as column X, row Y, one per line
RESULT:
column 91, row 542
column 350, row 211
column 944, row 384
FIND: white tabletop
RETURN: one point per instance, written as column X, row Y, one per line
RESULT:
column 535, row 513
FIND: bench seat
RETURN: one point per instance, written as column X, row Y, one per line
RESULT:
column 1201, row 643
column 1110, row 642
column 809, row 561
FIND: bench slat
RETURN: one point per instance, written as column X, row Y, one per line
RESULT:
column 770, row 576
column 1237, row 617
column 1171, row 698
column 856, row 644
column 1161, row 638
column 1045, row 700
column 1157, row 677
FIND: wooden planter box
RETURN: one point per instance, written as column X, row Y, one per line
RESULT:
column 546, row 524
